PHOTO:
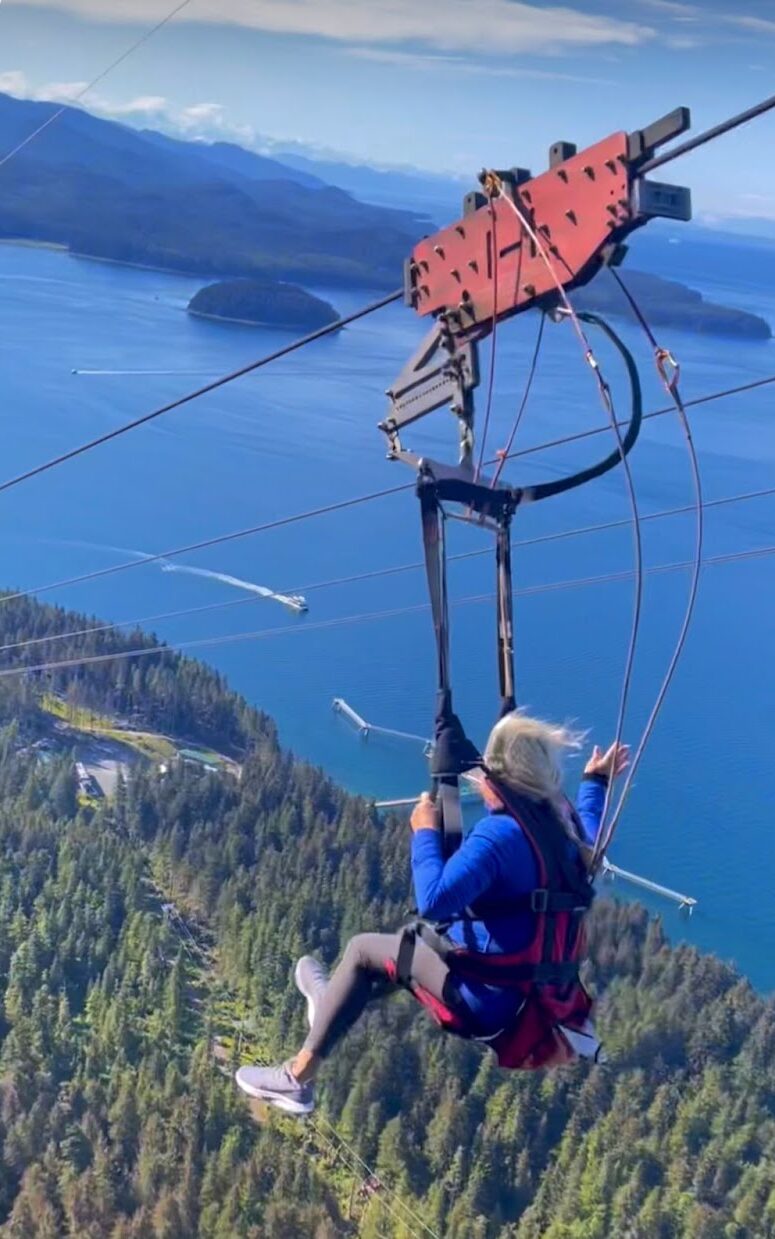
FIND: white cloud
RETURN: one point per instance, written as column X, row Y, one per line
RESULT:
column 756, row 25
column 197, row 121
column 143, row 105
column 460, row 65
column 682, row 12
column 14, row 82
column 500, row 26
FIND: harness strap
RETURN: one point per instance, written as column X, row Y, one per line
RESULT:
column 540, row 900
column 505, row 614
column 504, row 971
column 453, row 752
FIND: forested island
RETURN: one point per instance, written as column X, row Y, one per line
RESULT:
column 265, row 303
column 666, row 303
column 118, row 1116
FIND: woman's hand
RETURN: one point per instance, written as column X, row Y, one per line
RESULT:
column 610, row 764
column 424, row 815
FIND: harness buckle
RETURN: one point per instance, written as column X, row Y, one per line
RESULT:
column 539, row 901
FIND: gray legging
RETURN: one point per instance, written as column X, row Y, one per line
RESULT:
column 361, row 977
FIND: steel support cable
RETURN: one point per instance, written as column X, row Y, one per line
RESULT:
column 578, row 435
column 236, row 535
column 528, row 591
column 415, row 1216
column 662, row 358
column 493, row 345
column 186, row 938
column 575, row 318
column 129, row 51
column 538, row 491
column 281, row 522
column 708, row 135
column 692, row 144
column 619, row 455
column 375, row 573
column 503, row 455
column 215, row 385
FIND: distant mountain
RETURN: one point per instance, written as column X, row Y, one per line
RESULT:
column 109, row 191
column 233, row 160
column 439, row 197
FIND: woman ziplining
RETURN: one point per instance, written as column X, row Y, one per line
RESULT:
column 496, row 972
column 501, row 963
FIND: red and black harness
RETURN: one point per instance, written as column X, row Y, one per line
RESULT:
column 545, row 972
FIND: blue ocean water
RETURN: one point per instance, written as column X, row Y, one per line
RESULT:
column 303, row 433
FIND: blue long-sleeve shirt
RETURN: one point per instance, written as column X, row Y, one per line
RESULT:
column 494, row 864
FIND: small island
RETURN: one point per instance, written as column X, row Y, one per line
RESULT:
column 666, row 303
column 262, row 303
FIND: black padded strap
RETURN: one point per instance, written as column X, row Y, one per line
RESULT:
column 505, row 616
column 498, row 971
column 453, row 752
column 405, row 957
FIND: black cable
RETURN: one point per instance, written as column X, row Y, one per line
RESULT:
column 716, row 132
column 504, row 454
column 340, row 621
column 203, row 391
column 376, row 573
column 688, row 404
column 281, row 521
column 144, row 37
column 547, row 490
column 235, row 535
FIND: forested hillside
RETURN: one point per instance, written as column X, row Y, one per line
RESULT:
column 104, row 190
column 115, row 1120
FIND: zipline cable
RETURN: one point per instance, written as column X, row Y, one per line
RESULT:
column 708, row 135
column 129, row 51
column 503, row 455
column 346, row 620
column 374, row 573
column 196, row 953
column 215, row 385
column 724, row 127
column 235, row 535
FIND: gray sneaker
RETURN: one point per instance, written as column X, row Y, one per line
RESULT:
column 311, row 978
column 278, row 1087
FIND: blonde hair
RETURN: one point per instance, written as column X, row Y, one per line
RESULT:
column 527, row 755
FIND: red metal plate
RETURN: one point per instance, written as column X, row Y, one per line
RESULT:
column 575, row 208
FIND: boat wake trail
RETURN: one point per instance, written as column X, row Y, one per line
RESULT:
column 235, row 581
column 294, row 601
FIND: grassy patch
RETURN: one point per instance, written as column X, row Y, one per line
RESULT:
column 149, row 743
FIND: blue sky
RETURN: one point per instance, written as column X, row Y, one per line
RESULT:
column 445, row 85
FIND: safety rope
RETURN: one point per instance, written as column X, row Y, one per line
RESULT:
column 663, row 358
column 503, row 455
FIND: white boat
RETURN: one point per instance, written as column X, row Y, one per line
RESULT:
column 296, row 602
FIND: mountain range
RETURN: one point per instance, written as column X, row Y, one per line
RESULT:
column 105, row 190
